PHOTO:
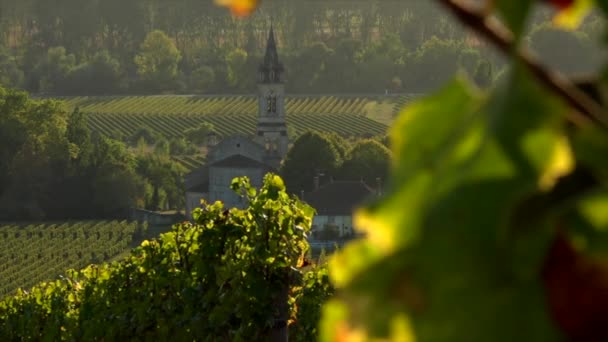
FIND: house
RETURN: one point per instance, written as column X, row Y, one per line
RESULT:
column 335, row 203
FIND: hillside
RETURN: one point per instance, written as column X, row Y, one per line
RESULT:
column 170, row 115
column 41, row 252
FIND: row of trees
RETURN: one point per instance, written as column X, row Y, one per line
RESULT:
column 52, row 167
column 327, row 47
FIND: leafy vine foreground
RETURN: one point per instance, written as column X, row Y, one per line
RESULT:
column 494, row 226
column 234, row 275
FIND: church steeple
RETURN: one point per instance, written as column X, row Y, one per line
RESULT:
column 271, row 70
column 272, row 126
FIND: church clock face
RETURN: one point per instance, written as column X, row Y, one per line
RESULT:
column 271, row 103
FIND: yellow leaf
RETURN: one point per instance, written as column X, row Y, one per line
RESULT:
column 571, row 17
column 561, row 164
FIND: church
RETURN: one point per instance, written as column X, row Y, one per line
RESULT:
column 239, row 156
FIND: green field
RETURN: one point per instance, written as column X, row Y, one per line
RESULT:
column 190, row 162
column 170, row 115
column 40, row 252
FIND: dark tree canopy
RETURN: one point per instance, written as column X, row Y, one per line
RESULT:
column 312, row 154
column 368, row 160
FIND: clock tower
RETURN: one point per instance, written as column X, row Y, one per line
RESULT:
column 272, row 127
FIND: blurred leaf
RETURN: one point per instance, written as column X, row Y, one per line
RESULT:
column 239, row 8
column 515, row 14
column 572, row 16
column 441, row 236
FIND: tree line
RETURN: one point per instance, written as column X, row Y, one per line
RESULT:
column 53, row 167
column 144, row 46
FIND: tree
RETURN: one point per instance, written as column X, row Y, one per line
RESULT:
column 200, row 134
column 101, row 75
column 79, row 137
column 181, row 146
column 115, row 186
column 311, row 154
column 368, row 160
column 434, row 63
column 157, row 61
column 34, row 152
column 11, row 74
column 202, row 79
column 50, row 73
column 308, row 66
column 162, row 147
column 238, row 77
column 146, row 134
column 164, row 176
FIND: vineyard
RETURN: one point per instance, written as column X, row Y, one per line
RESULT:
column 190, row 162
column 39, row 252
column 171, row 115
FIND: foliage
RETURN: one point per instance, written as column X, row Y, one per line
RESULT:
column 202, row 79
column 164, row 176
column 102, row 75
column 11, row 75
column 206, row 39
column 148, row 135
column 180, row 146
column 51, row 71
column 492, row 220
column 33, row 149
column 217, row 279
column 158, row 60
column 46, row 152
column 199, row 135
column 368, row 160
column 237, row 73
column 41, row 252
column 312, row 154
column 443, row 57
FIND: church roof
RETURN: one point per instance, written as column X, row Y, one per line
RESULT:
column 200, row 188
column 339, row 198
column 239, row 161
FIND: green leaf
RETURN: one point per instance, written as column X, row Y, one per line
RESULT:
column 442, row 235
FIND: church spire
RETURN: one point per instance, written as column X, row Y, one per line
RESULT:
column 271, row 69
